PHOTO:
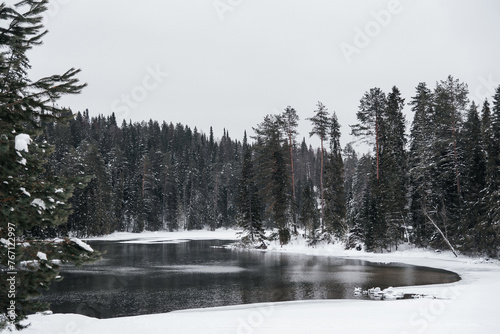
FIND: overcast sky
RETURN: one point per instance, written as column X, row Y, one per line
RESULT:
column 228, row 63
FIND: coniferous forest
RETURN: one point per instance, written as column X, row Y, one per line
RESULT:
column 437, row 182
column 431, row 178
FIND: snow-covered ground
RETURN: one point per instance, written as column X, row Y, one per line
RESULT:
column 467, row 306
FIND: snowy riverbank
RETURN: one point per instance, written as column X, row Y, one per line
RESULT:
column 467, row 306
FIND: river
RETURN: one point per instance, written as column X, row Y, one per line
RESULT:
column 134, row 279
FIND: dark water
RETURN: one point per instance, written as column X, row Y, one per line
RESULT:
column 134, row 279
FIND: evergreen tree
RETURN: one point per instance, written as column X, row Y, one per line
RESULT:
column 450, row 105
column 93, row 214
column 393, row 172
column 473, row 182
column 335, row 200
column 371, row 109
column 272, row 174
column 321, row 126
column 289, row 121
column 421, row 163
column 450, row 101
column 34, row 200
column 491, row 230
column 249, row 203
column 350, row 165
column 309, row 212
column 367, row 225
column 361, row 193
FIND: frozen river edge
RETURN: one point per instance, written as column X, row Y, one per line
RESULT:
column 466, row 306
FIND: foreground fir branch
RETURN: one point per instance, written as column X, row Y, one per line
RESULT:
column 34, row 201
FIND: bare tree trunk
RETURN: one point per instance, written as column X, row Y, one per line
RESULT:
column 377, row 146
column 164, row 214
column 441, row 232
column 455, row 155
column 321, row 185
column 293, row 178
column 291, row 161
column 143, row 177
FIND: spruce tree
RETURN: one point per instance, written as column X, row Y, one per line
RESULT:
column 33, row 199
column 492, row 228
column 393, row 172
column 308, row 212
column 274, row 181
column 473, row 182
column 421, row 164
column 249, row 203
column 450, row 102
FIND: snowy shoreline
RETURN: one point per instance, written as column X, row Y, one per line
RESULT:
column 466, row 306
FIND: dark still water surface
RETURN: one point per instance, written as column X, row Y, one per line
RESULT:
column 134, row 279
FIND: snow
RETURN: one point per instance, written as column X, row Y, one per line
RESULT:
column 180, row 236
column 466, row 306
column 41, row 256
column 82, row 244
column 25, row 192
column 22, row 141
column 38, row 202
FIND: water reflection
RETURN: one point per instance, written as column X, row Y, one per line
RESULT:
column 152, row 278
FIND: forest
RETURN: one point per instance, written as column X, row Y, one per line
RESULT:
column 438, row 181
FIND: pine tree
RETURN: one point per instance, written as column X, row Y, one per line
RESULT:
column 33, row 199
column 371, row 109
column 321, row 126
column 335, row 200
column 289, row 121
column 350, row 165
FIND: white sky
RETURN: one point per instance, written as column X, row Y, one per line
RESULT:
column 229, row 68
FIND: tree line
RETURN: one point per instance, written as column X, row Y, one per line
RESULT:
column 65, row 174
column 440, row 180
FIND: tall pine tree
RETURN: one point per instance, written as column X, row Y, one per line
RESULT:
column 335, row 200
column 321, row 126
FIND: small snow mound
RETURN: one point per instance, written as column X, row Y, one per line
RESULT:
column 82, row 244
column 45, row 313
column 38, row 202
column 42, row 256
column 22, row 141
column 25, row 192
